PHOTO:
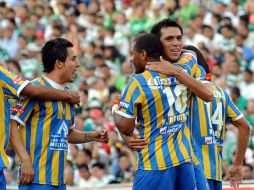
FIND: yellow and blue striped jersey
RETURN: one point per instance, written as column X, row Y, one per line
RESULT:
column 44, row 127
column 160, row 103
column 208, row 123
column 11, row 86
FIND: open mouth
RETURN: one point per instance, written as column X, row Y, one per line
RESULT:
column 175, row 50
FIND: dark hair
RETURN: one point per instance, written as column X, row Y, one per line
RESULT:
column 53, row 50
column 87, row 152
column 156, row 29
column 122, row 155
column 236, row 91
column 248, row 71
column 149, row 43
column 206, row 26
column 83, row 166
column 99, row 165
column 200, row 58
column 228, row 27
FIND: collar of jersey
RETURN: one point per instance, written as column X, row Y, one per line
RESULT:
column 53, row 83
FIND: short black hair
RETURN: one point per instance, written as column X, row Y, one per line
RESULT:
column 156, row 29
column 200, row 58
column 87, row 152
column 248, row 71
column 206, row 26
column 83, row 166
column 99, row 165
column 149, row 43
column 236, row 91
column 228, row 27
column 53, row 50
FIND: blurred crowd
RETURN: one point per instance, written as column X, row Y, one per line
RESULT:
column 101, row 31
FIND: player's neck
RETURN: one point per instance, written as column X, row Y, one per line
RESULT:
column 55, row 77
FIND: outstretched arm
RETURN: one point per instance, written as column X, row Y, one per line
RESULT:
column 48, row 93
column 27, row 174
column 76, row 136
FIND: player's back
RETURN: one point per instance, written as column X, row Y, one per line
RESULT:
column 163, row 115
column 208, row 122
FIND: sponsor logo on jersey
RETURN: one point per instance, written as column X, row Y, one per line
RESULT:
column 17, row 80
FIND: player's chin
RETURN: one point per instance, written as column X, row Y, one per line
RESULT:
column 71, row 79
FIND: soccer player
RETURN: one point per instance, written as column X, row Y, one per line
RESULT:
column 208, row 123
column 46, row 127
column 208, row 132
column 159, row 102
column 170, row 34
column 11, row 87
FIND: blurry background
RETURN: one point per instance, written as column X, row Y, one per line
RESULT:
column 101, row 31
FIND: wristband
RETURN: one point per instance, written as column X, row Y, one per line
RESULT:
column 114, row 108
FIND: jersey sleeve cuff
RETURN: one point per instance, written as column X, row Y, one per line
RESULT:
column 124, row 114
column 21, row 88
column 237, row 118
column 17, row 119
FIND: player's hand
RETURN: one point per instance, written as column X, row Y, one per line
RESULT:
column 164, row 67
column 135, row 142
column 234, row 175
column 73, row 97
column 100, row 136
column 27, row 169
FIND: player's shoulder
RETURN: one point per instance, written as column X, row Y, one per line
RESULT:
column 188, row 55
column 38, row 81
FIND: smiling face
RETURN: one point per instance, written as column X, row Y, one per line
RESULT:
column 171, row 39
column 69, row 70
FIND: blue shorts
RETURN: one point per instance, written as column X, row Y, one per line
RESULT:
column 201, row 180
column 214, row 185
column 35, row 186
column 181, row 177
column 2, row 180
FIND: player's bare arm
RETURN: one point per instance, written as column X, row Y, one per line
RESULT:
column 76, row 136
column 124, row 125
column 198, row 88
column 235, row 175
column 134, row 141
column 27, row 170
column 48, row 93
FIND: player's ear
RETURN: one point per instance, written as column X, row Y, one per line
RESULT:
column 143, row 55
column 58, row 64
